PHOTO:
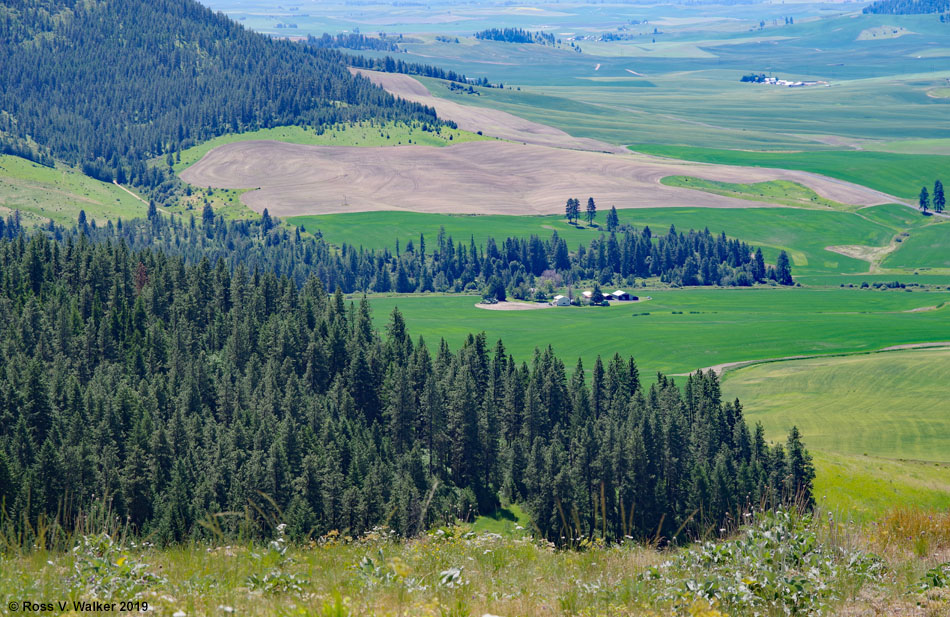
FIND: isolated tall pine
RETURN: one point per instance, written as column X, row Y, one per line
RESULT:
column 939, row 201
column 591, row 210
column 924, row 199
column 783, row 270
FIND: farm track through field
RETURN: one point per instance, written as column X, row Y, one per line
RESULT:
column 719, row 369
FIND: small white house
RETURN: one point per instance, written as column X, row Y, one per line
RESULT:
column 561, row 301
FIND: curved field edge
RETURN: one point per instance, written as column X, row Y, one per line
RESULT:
column 783, row 192
column 876, row 423
column 896, row 174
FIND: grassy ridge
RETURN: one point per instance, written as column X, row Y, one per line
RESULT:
column 897, row 174
column 364, row 134
column 42, row 193
column 714, row 326
column 804, row 233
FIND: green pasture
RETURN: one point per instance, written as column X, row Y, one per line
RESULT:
column 861, row 488
column 803, row 233
column 43, row 193
column 683, row 330
column 892, row 405
column 877, row 423
column 366, row 134
column 907, row 278
column 782, row 192
column 923, row 248
column 897, row 174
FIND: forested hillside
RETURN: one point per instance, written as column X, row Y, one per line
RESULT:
column 908, row 7
column 109, row 84
column 173, row 392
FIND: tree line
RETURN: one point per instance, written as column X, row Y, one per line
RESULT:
column 516, row 35
column 395, row 65
column 516, row 266
column 110, row 85
column 174, row 392
column 354, row 40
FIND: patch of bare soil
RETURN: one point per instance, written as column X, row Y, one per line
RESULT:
column 470, row 178
column 513, row 306
column 873, row 254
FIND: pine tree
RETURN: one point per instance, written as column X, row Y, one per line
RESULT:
column 591, row 210
column 613, row 221
column 923, row 200
column 783, row 271
column 939, row 200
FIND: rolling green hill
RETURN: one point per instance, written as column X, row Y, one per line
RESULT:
column 877, row 423
column 43, row 193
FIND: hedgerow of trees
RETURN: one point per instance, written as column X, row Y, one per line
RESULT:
column 173, row 392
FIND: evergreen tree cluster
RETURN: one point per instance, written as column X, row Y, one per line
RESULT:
column 108, row 85
column 354, row 40
column 176, row 392
column 907, row 7
column 515, row 35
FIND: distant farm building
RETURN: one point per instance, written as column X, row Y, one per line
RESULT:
column 588, row 295
column 561, row 301
column 621, row 296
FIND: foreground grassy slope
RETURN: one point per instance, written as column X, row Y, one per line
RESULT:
column 689, row 329
column 897, row 174
column 876, row 423
column 776, row 565
column 42, row 193
column 803, row 233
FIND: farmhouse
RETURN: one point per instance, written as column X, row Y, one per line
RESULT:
column 561, row 301
column 621, row 296
column 588, row 295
